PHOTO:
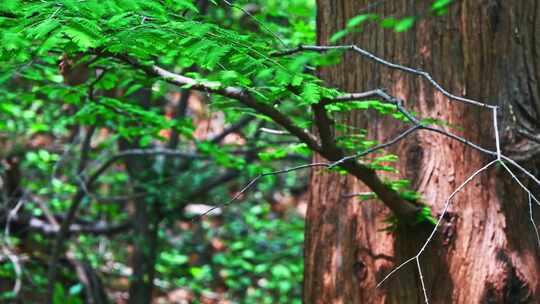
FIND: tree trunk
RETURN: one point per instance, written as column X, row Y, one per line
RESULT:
column 486, row 249
column 146, row 216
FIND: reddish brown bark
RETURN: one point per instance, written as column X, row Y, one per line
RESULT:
column 486, row 251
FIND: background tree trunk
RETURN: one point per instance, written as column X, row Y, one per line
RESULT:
column 486, row 250
column 146, row 215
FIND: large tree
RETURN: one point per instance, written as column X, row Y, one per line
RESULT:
column 485, row 250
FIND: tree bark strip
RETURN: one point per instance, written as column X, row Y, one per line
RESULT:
column 485, row 251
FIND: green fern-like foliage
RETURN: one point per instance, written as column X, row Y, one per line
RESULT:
column 173, row 35
column 162, row 32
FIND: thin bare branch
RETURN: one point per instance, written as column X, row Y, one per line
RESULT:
column 7, row 244
column 496, row 129
column 267, row 29
column 439, row 221
column 387, row 144
column 253, row 182
column 372, row 57
column 515, row 164
column 328, row 165
column 530, row 196
column 422, row 280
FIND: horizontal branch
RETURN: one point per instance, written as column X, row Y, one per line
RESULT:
column 138, row 152
column 215, row 87
column 381, row 93
column 372, row 57
column 405, row 210
column 327, row 149
column 34, row 224
column 232, row 129
column 418, row 125
column 305, row 136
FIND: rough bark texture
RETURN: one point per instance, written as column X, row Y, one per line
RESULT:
column 486, row 250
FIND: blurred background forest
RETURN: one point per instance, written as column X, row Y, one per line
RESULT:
column 155, row 170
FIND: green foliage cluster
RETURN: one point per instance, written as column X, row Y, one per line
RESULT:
column 35, row 102
column 260, row 260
